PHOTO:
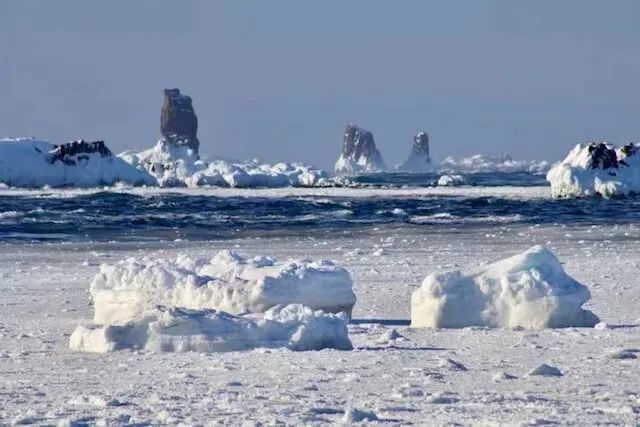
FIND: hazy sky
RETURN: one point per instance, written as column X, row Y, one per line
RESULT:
column 278, row 80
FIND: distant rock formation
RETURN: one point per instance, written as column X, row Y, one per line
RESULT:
column 359, row 152
column 419, row 160
column 178, row 121
column 71, row 152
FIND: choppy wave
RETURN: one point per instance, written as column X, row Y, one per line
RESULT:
column 200, row 215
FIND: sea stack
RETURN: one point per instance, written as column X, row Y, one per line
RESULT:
column 419, row 160
column 178, row 121
column 359, row 152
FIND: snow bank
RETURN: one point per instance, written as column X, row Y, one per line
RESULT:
column 226, row 282
column 489, row 163
column 175, row 166
column 529, row 290
column 596, row 169
column 163, row 329
column 28, row 162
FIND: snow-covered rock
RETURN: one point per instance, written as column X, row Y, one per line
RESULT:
column 451, row 180
column 545, row 370
column 419, row 159
column 489, row 163
column 171, row 329
column 227, row 282
column 28, row 162
column 359, row 152
column 529, row 290
column 596, row 168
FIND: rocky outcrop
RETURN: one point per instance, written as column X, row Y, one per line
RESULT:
column 359, row 152
column 419, row 160
column 72, row 152
column 178, row 121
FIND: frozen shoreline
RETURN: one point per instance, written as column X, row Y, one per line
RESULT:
column 408, row 380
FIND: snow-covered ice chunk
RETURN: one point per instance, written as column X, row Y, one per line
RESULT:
column 227, row 282
column 451, row 180
column 171, row 329
column 545, row 370
column 596, row 169
column 530, row 290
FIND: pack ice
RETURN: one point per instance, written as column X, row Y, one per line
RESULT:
column 171, row 329
column 529, row 290
column 596, row 168
column 227, row 282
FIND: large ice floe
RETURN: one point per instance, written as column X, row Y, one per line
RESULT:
column 227, row 282
column 529, row 290
column 597, row 168
column 479, row 163
column 172, row 329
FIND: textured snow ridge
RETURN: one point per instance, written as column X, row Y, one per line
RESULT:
column 592, row 169
column 28, row 162
column 481, row 163
column 227, row 282
column 179, row 166
column 171, row 329
column 529, row 290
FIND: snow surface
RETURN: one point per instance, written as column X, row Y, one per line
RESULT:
column 172, row 329
column 577, row 176
column 530, row 290
column 43, row 298
column 350, row 165
column 491, row 163
column 226, row 282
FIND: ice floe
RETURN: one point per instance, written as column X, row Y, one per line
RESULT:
column 529, row 290
column 172, row 329
column 226, row 282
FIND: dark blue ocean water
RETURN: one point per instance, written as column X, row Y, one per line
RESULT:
column 105, row 216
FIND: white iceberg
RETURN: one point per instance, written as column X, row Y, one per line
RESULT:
column 529, row 290
column 171, row 329
column 451, row 180
column 29, row 162
column 227, row 282
column 592, row 169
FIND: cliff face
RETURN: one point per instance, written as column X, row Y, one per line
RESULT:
column 419, row 160
column 178, row 120
column 359, row 152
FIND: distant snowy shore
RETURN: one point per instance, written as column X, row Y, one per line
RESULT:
column 33, row 163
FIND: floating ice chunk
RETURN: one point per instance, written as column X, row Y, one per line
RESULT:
column 545, row 370
column 170, row 329
column 530, row 290
column 227, row 282
column 596, row 169
column 451, row 180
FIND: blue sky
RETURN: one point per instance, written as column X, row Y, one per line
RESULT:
column 279, row 80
